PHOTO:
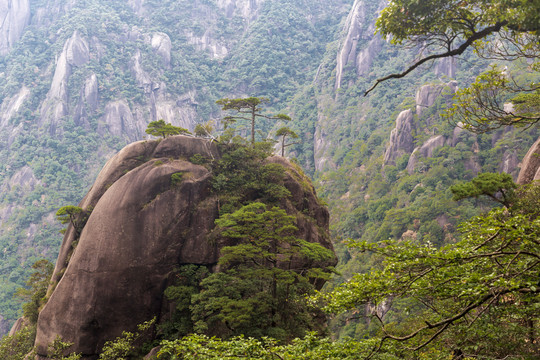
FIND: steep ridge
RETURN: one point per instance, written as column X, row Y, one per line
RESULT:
column 141, row 227
column 82, row 79
column 14, row 17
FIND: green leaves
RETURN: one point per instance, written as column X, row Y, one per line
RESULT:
column 487, row 276
column 36, row 289
column 496, row 99
column 284, row 132
column 163, row 129
column 499, row 187
column 242, row 175
column 74, row 215
column 247, row 109
column 310, row 347
column 122, row 347
column 259, row 290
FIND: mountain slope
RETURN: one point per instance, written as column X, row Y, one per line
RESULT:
column 83, row 78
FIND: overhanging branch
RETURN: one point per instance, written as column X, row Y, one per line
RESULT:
column 458, row 51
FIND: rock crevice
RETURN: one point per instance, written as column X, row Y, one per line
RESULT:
column 141, row 227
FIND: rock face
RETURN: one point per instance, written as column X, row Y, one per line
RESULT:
column 401, row 137
column 426, row 96
column 141, row 227
column 55, row 107
column 425, row 151
column 15, row 16
column 530, row 166
column 161, row 43
column 359, row 36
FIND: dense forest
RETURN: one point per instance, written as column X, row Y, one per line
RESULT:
column 411, row 119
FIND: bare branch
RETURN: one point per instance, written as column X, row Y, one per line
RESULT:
column 458, row 51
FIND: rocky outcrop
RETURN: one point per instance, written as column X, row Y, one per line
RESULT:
column 446, row 66
column 426, row 96
column 88, row 101
column 76, row 52
column 510, row 162
column 24, row 178
column 401, row 137
column 119, row 121
column 137, row 6
column 347, row 53
column 141, row 228
column 248, row 9
column 142, row 78
column 321, row 146
column 11, row 106
column 366, row 56
column 207, row 42
column 425, row 151
column 359, row 35
column 161, row 43
column 14, row 17
column 91, row 92
column 530, row 166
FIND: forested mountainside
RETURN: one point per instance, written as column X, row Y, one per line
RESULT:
column 83, row 78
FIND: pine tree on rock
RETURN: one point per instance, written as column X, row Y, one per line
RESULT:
column 248, row 109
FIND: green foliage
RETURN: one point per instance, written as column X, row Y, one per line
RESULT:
column 177, row 178
column 242, row 175
column 498, row 187
column 199, row 159
column 163, row 129
column 17, row 346
column 285, row 132
column 187, row 284
column 259, row 291
column 204, row 130
column 498, row 98
column 248, row 109
column 73, row 215
column 34, row 295
column 404, row 19
column 448, row 28
column 58, row 348
column 122, row 348
column 311, row 347
column 458, row 294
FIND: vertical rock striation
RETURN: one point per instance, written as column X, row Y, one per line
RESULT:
column 14, row 17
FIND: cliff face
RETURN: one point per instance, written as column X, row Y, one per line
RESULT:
column 141, row 228
column 81, row 79
column 359, row 46
column 530, row 167
column 14, row 16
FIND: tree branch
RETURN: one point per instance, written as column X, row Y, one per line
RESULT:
column 458, row 51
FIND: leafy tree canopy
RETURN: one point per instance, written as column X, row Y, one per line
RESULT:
column 36, row 288
column 73, row 215
column 163, row 129
column 498, row 187
column 248, row 109
column 448, row 28
column 476, row 298
column 285, row 132
column 260, row 288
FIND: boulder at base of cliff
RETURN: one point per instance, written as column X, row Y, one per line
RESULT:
column 144, row 224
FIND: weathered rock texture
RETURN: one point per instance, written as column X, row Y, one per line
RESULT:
column 359, row 46
column 401, row 137
column 141, row 227
column 15, row 16
column 530, row 166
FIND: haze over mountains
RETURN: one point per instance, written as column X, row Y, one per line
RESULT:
column 81, row 79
